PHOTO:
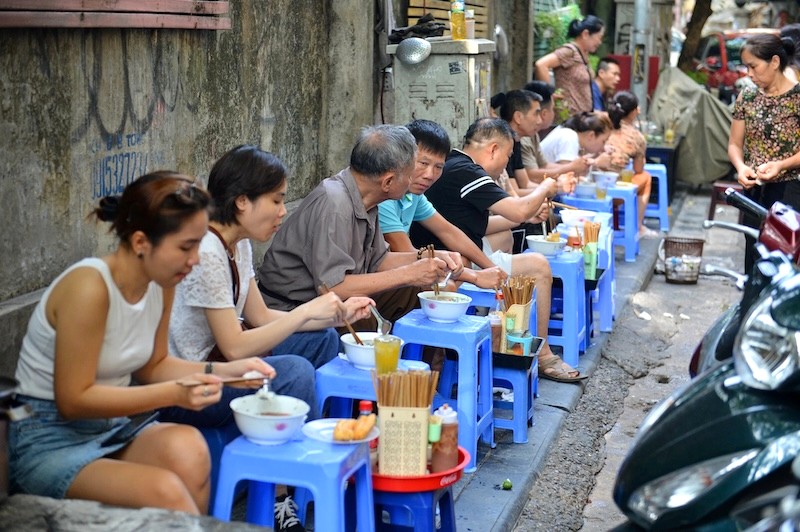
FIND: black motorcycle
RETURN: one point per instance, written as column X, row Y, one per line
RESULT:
column 717, row 444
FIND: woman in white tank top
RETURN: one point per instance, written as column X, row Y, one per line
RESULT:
column 101, row 324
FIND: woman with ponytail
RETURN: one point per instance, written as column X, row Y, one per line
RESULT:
column 570, row 63
column 764, row 145
column 100, row 325
column 627, row 145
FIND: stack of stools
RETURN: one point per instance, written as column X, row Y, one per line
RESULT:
column 523, row 379
column 317, row 466
column 628, row 235
column 569, row 331
column 341, row 383
column 471, row 338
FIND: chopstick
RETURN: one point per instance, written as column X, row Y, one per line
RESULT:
column 431, row 255
column 563, row 205
column 225, row 381
column 323, row 289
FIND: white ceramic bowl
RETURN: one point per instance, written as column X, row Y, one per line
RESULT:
column 538, row 244
column 607, row 178
column 585, row 190
column 572, row 217
column 271, row 421
column 362, row 356
column 447, row 307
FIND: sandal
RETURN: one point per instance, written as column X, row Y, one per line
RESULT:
column 555, row 369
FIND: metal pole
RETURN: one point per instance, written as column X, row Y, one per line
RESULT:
column 640, row 52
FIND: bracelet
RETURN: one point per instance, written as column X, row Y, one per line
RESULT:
column 209, row 369
column 420, row 252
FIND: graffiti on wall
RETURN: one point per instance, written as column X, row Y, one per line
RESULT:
column 137, row 96
column 118, row 160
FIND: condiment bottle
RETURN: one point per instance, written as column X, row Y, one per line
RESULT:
column 365, row 409
column 458, row 22
column 444, row 453
column 496, row 321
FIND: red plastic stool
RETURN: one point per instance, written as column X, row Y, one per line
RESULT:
column 718, row 196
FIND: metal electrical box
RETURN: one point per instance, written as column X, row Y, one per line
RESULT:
column 451, row 87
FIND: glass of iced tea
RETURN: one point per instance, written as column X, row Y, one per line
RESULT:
column 626, row 175
column 387, row 353
column 601, row 190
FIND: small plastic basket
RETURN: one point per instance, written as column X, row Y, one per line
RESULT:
column 682, row 258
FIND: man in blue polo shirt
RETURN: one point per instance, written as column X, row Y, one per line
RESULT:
column 396, row 216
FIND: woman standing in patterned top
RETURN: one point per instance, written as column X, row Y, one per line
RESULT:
column 627, row 145
column 570, row 63
column 764, row 144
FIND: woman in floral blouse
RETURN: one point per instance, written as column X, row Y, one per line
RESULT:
column 626, row 144
column 764, row 143
column 570, row 63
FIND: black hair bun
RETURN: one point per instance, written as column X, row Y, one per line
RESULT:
column 109, row 208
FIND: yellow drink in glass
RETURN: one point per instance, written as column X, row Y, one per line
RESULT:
column 600, row 192
column 387, row 353
column 626, row 175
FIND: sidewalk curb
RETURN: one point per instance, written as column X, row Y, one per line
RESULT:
column 481, row 507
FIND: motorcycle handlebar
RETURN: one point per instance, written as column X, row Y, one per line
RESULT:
column 708, row 224
column 742, row 202
column 712, row 269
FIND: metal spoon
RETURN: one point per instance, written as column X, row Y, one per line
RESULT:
column 384, row 325
column 443, row 282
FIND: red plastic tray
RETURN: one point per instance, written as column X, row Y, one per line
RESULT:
column 431, row 482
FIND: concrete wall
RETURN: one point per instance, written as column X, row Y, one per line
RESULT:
column 84, row 112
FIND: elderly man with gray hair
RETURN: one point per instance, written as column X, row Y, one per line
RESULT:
column 333, row 237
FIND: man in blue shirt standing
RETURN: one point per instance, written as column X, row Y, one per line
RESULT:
column 604, row 85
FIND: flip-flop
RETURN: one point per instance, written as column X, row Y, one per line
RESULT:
column 559, row 371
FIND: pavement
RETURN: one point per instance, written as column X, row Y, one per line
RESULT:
column 480, row 505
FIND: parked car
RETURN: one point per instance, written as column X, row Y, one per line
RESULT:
column 719, row 56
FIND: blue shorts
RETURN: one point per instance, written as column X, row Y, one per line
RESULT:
column 46, row 451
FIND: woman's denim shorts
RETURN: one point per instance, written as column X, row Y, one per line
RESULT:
column 46, row 451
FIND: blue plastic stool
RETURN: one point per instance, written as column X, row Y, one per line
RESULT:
column 484, row 297
column 524, row 382
column 628, row 235
column 660, row 209
column 341, row 382
column 481, row 297
column 588, row 204
column 471, row 338
column 322, row 468
column 415, row 510
column 569, row 332
column 217, row 438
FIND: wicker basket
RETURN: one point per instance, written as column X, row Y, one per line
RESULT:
column 682, row 258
